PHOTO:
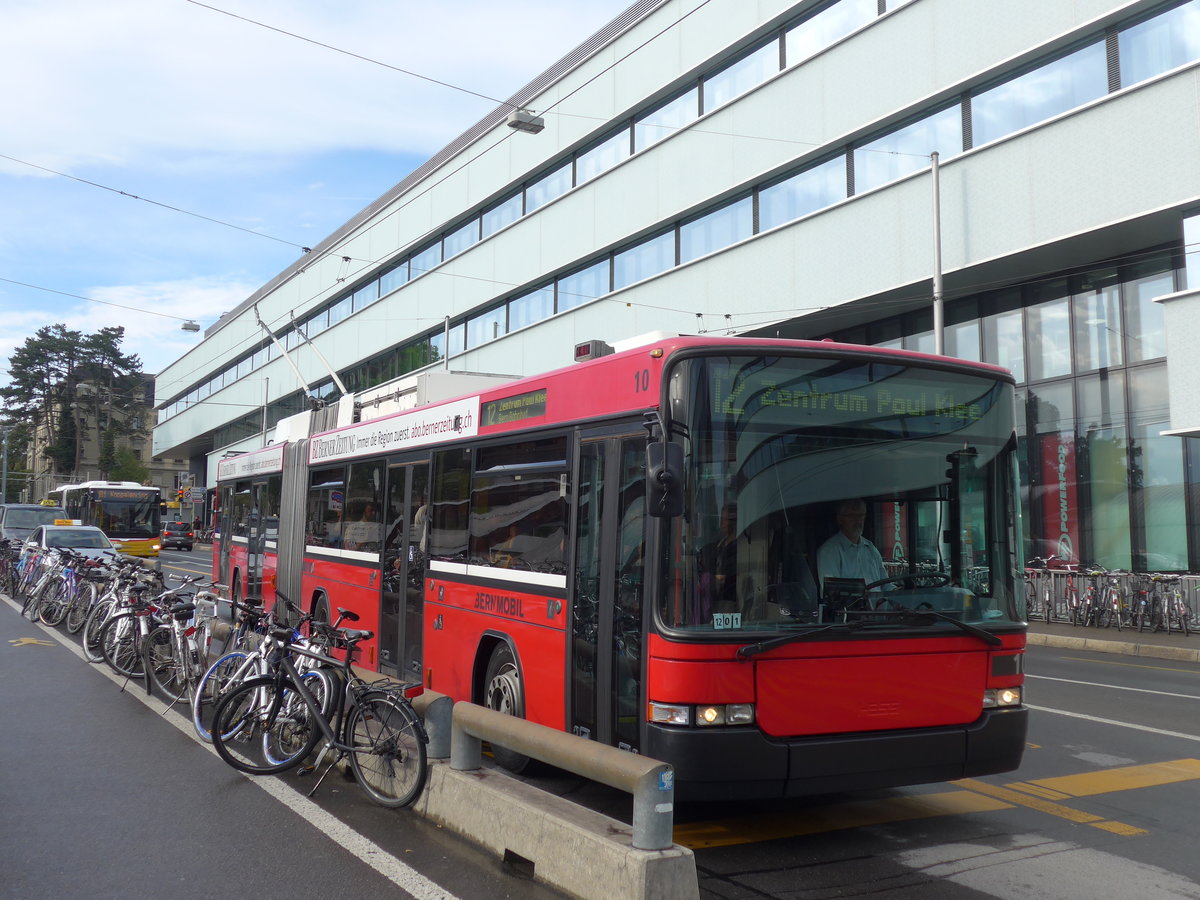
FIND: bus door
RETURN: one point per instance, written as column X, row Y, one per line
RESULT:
column 606, row 628
column 256, row 538
column 402, row 605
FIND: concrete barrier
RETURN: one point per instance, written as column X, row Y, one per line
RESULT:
column 574, row 849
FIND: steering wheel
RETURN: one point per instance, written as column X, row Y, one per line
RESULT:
column 931, row 579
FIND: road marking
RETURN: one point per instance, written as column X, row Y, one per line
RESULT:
column 1103, row 721
column 1109, row 662
column 833, row 817
column 1116, row 687
column 1125, row 778
column 31, row 642
column 403, row 876
column 1058, row 810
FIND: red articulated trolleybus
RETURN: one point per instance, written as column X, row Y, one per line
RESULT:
column 633, row 549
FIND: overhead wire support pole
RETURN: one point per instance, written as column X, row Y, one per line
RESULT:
column 939, row 313
column 282, row 351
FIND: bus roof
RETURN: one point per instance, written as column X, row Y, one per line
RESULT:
column 625, row 382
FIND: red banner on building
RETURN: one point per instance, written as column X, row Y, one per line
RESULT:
column 1059, row 496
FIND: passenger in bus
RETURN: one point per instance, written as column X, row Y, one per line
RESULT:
column 848, row 554
column 365, row 532
column 718, row 565
column 333, row 528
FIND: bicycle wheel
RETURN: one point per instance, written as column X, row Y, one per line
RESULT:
column 79, row 607
column 53, row 608
column 91, row 630
column 165, row 671
column 241, row 718
column 215, row 683
column 120, row 644
column 388, row 758
column 295, row 732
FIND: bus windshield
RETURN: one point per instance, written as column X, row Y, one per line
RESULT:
column 823, row 490
column 126, row 513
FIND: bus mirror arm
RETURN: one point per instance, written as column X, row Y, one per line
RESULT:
column 664, row 479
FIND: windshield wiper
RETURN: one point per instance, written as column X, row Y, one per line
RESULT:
column 795, row 637
column 986, row 636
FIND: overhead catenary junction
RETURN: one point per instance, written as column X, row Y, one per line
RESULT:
column 768, row 169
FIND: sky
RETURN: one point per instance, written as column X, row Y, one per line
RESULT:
column 160, row 160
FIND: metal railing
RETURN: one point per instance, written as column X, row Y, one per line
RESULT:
column 652, row 783
column 1075, row 580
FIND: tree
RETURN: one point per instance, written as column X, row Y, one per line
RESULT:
column 61, row 378
column 127, row 467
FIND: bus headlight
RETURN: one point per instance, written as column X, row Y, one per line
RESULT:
column 998, row 698
column 712, row 714
column 670, row 713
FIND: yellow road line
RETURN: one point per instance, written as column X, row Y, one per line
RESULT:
column 835, row 817
column 1017, row 798
column 1126, row 778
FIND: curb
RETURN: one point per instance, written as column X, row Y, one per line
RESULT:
column 1122, row 648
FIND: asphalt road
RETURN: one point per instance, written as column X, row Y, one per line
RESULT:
column 103, row 796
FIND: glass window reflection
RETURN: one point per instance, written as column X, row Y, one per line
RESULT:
column 829, row 25
column 666, row 120
column 548, row 187
column 1097, row 303
column 583, row 286
column 1036, row 96
column 1160, row 44
column 907, row 150
column 602, row 157
column 718, row 229
column 1145, row 330
column 646, row 259
column 530, row 308
column 1049, row 339
column 738, row 77
column 504, row 213
column 803, row 193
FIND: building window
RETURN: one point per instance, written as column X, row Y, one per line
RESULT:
column 425, row 260
column 1102, row 471
column 602, row 157
column 1049, row 339
column 1097, row 303
column 738, row 77
column 666, row 120
column 1145, row 331
column 718, row 229
column 531, row 308
column 584, row 285
column 460, row 239
column 1160, row 44
column 393, row 278
column 485, row 327
column 908, row 149
column 644, row 260
column 802, row 194
column 831, row 24
column 1004, row 342
column 1036, row 96
column 546, row 188
column 503, row 213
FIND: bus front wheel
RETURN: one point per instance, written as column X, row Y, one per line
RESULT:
column 504, row 693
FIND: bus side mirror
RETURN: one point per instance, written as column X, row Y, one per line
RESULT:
column 664, row 479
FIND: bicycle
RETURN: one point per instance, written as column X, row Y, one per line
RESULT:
column 1114, row 609
column 372, row 724
column 1175, row 612
column 1041, row 603
column 175, row 654
column 243, row 662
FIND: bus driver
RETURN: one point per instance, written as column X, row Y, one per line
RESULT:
column 848, row 554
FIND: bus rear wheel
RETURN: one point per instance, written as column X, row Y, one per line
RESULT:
column 504, row 693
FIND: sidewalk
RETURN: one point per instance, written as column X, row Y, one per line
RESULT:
column 1156, row 645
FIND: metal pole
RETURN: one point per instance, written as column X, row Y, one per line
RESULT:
column 4, row 477
column 446, row 334
column 266, row 394
column 939, row 315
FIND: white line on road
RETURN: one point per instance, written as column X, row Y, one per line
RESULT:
column 1116, row 687
column 1102, row 721
column 403, row 876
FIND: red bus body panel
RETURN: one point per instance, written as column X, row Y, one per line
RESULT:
column 460, row 617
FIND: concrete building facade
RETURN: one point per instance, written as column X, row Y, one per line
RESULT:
column 765, row 168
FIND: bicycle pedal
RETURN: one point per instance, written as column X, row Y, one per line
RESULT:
column 305, row 770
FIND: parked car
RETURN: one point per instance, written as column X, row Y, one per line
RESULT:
column 85, row 539
column 177, row 534
column 18, row 520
